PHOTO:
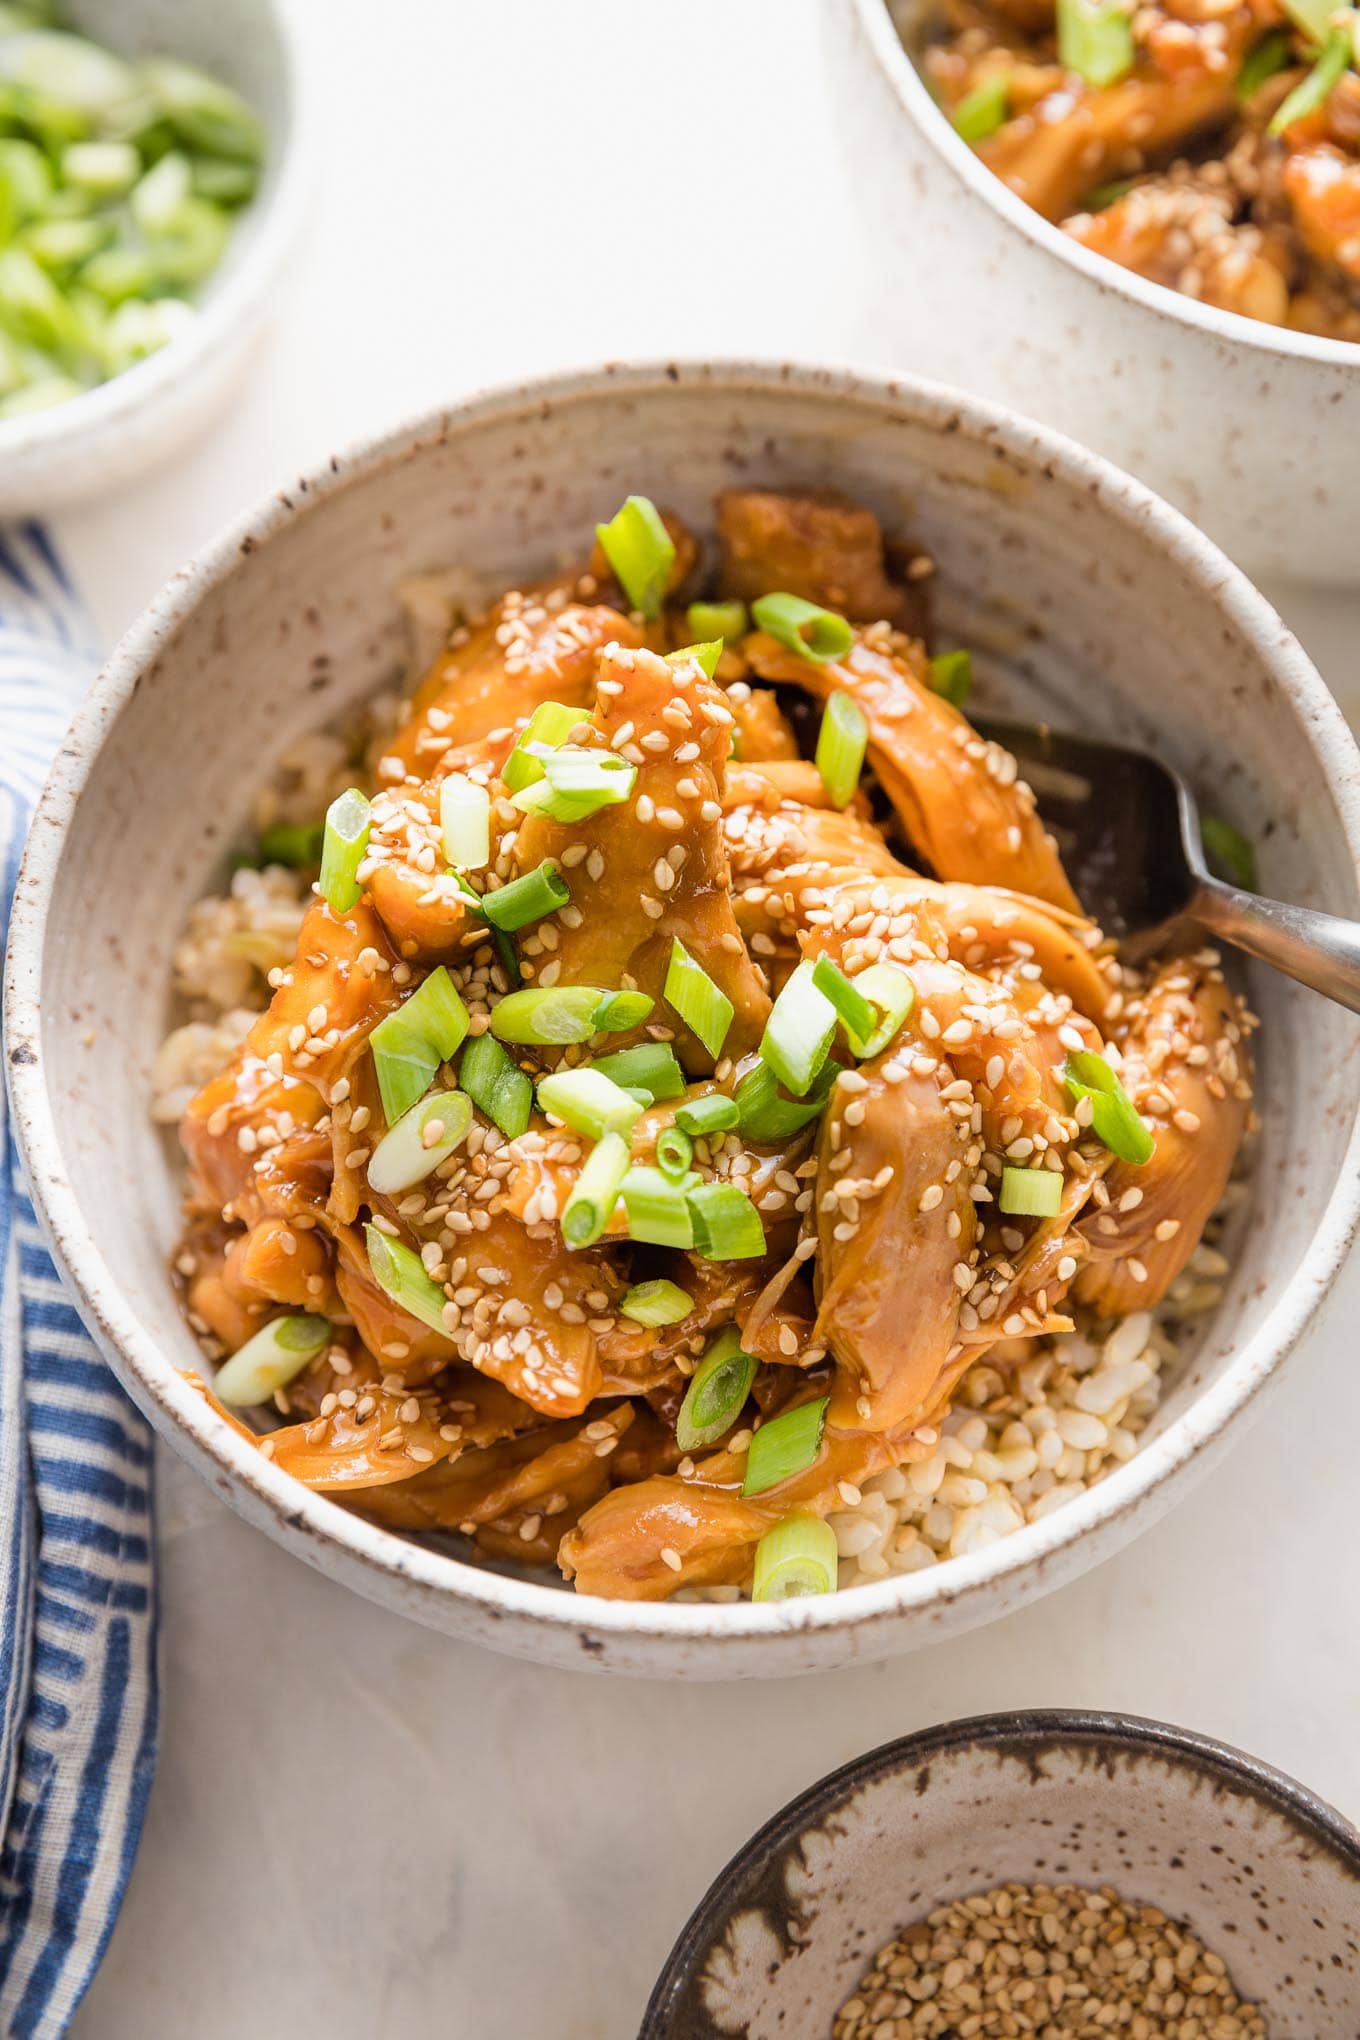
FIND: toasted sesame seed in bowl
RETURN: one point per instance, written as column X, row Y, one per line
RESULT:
column 1048, row 564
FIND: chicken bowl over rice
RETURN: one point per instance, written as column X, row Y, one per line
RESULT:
column 655, row 1105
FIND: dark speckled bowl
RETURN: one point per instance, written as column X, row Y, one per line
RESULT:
column 1264, row 1872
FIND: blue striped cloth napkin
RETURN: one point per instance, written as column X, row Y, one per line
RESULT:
column 77, row 1585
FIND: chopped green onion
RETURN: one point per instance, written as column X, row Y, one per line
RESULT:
column 650, row 1067
column 1031, row 1193
column 786, row 1445
column 713, row 1113
column 409, row 1045
column 658, row 1215
column 656, row 1303
column 588, row 1102
column 703, row 1006
column 1095, row 39
column 951, row 676
column 1107, row 194
column 343, row 846
column 859, row 1016
column 765, row 1117
column 617, row 1012
column 1113, row 1119
column 819, row 635
column 707, row 654
column 725, row 620
column 550, row 725
column 298, row 844
column 983, row 110
column 1232, row 855
column 421, row 1139
column 527, row 899
column 68, row 71
column 1312, row 91
column 590, row 1206
column 465, row 821
column 576, row 783
column 204, row 113
column 842, row 741
column 640, row 552
column 893, row 993
column 1314, row 17
column 717, row 1393
column 548, row 1016
column 799, row 1031
column 1262, row 61
column 674, row 1153
column 401, row 1274
column 496, row 1086
column 798, row 1557
column 276, row 1354
column 225, row 182
column 726, row 1224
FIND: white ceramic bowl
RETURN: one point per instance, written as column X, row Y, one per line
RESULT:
column 1079, row 589
column 1248, row 429
column 1264, row 1872
column 102, row 439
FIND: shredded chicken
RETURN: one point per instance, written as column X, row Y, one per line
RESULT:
column 527, row 1402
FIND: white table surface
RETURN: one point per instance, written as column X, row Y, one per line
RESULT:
column 360, row 1830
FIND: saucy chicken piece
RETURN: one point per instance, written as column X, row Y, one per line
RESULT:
column 653, row 869
column 824, row 548
column 1182, row 236
column 958, row 797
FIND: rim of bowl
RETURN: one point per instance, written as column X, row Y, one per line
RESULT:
column 915, row 101
column 437, row 1576
column 277, row 212
column 1023, row 1731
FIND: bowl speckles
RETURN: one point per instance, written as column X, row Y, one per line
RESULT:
column 1060, row 571
column 1265, row 1873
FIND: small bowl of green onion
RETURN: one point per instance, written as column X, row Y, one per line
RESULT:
column 149, row 187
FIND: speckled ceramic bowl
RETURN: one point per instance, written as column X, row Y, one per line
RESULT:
column 1079, row 590
column 1249, row 429
column 1266, row 1874
column 102, row 439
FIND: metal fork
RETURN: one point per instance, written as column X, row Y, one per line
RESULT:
column 1129, row 829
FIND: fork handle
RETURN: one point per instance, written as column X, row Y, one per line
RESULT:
column 1320, row 950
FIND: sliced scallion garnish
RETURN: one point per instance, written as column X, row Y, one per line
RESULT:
column 951, row 676
column 421, row 1139
column 765, row 1117
column 551, row 723
column 703, row 1006
column 859, row 1016
column 1030, row 1193
column 819, row 635
column 496, row 1086
column 796, row 1558
column 527, row 899
column 576, row 783
column 707, row 654
column 595, row 1192
column 674, row 1153
column 716, row 1394
column 547, row 1015
column 618, row 1012
column 588, row 1102
column 799, row 1031
column 650, row 1067
column 713, row 1113
column 892, row 992
column 465, row 822
column 786, row 1445
column 296, row 844
column 275, row 1355
column 343, row 845
column 725, row 620
column 1095, row 39
column 409, row 1045
column 1262, row 61
column 1312, row 91
column 640, row 553
column 1314, row 17
column 1231, row 854
column 1113, row 1119
column 842, row 742
column 204, row 113
column 401, row 1274
column 726, row 1224
column 983, row 110
column 657, row 1212
column 656, row 1303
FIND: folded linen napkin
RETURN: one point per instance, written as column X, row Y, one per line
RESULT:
column 77, row 1584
